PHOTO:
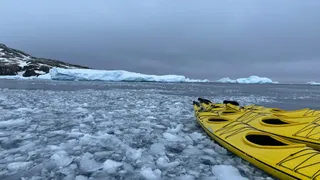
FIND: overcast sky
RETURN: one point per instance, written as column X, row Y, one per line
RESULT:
column 279, row 39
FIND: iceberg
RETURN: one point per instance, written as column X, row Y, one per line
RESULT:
column 112, row 75
column 44, row 76
column 313, row 83
column 226, row 80
column 17, row 77
column 250, row 80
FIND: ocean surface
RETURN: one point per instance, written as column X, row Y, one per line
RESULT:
column 119, row 130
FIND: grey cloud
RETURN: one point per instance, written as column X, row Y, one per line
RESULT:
column 199, row 39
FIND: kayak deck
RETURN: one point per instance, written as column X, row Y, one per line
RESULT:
column 275, row 155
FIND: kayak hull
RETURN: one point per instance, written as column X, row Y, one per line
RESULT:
column 253, row 161
column 279, row 157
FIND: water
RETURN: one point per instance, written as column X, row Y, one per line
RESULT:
column 99, row 130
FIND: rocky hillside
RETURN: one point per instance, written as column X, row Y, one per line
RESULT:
column 16, row 62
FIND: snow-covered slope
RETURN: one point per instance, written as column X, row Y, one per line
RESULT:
column 250, row 80
column 113, row 75
column 15, row 62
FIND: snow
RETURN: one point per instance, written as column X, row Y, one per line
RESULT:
column 39, row 72
column 94, row 130
column 113, row 75
column 250, row 80
column 1, row 53
column 22, row 63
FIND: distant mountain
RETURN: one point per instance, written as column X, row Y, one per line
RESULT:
column 16, row 62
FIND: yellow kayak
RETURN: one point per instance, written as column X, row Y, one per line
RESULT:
column 277, row 156
column 234, row 106
column 304, row 130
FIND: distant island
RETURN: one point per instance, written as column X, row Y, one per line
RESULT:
column 16, row 62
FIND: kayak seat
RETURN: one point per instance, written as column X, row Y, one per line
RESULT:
column 228, row 112
column 217, row 120
column 274, row 121
column 264, row 140
column 202, row 100
column 231, row 102
column 276, row 110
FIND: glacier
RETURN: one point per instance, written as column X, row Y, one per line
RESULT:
column 114, row 75
column 74, row 74
column 250, row 80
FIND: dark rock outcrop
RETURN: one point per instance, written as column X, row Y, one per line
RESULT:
column 13, row 61
column 30, row 72
column 9, row 69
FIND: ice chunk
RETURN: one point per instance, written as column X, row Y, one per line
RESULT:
column 113, row 75
column 175, row 130
column 227, row 172
column 196, row 136
column 185, row 177
column 220, row 150
column 207, row 160
column 133, row 153
column 88, row 164
column 171, row 137
column 111, row 166
column 157, row 148
column 18, row 165
column 80, row 177
column 149, row 174
column 61, row 158
column 68, row 171
column 210, row 151
column 163, row 162
column 192, row 151
column 13, row 122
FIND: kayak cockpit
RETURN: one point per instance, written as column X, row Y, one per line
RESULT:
column 274, row 121
column 265, row 140
column 217, row 120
